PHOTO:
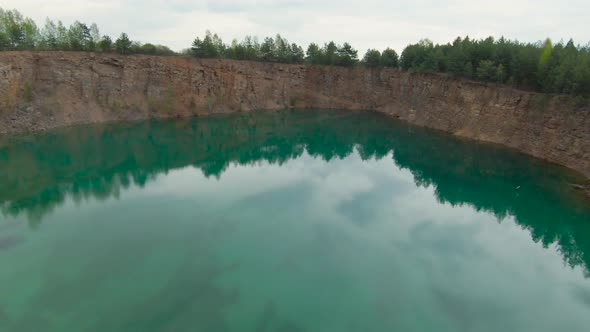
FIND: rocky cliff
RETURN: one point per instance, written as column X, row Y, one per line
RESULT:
column 42, row 90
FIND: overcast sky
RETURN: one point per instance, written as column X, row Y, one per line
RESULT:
column 363, row 23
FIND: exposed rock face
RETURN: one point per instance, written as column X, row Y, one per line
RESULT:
column 42, row 90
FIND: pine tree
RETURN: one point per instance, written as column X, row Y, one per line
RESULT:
column 123, row 44
column 372, row 58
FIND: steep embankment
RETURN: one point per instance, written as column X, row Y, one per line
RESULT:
column 51, row 89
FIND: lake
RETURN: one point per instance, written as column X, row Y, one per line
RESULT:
column 286, row 221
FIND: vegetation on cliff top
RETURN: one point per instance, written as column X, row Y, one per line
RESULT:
column 542, row 66
column 21, row 33
column 277, row 49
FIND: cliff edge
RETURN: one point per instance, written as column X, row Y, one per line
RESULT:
column 43, row 90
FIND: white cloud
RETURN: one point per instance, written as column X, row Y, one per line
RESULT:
column 370, row 23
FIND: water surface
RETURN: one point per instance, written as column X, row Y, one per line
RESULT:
column 286, row 221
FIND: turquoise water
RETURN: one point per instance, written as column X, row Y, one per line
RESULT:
column 286, row 221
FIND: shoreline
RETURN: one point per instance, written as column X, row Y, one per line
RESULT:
column 52, row 89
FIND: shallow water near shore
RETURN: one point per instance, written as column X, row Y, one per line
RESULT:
column 286, row 221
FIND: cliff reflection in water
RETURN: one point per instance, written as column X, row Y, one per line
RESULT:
column 38, row 172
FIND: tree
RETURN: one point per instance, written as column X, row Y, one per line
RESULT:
column 76, row 36
column 152, row 49
column 123, row 44
column 197, row 48
column 427, row 56
column 486, row 70
column 412, row 56
column 500, row 74
column 372, row 58
column 313, row 54
column 468, row 70
column 135, row 47
column 17, row 32
column 297, row 54
column 164, row 50
column 330, row 56
column 456, row 60
column 268, row 50
column 210, row 47
column 252, row 48
column 217, row 46
column 235, row 51
column 105, row 44
column 544, row 75
column 389, row 58
column 541, row 66
column 31, row 34
column 14, row 34
column 581, row 78
column 546, row 53
column 147, row 49
column 282, row 49
column 4, row 41
column 62, row 37
column 430, row 63
column 346, row 55
column 49, row 35
column 94, row 33
column 80, row 37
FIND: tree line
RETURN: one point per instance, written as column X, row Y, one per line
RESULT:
column 21, row 33
column 280, row 50
column 272, row 49
column 542, row 66
column 276, row 49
